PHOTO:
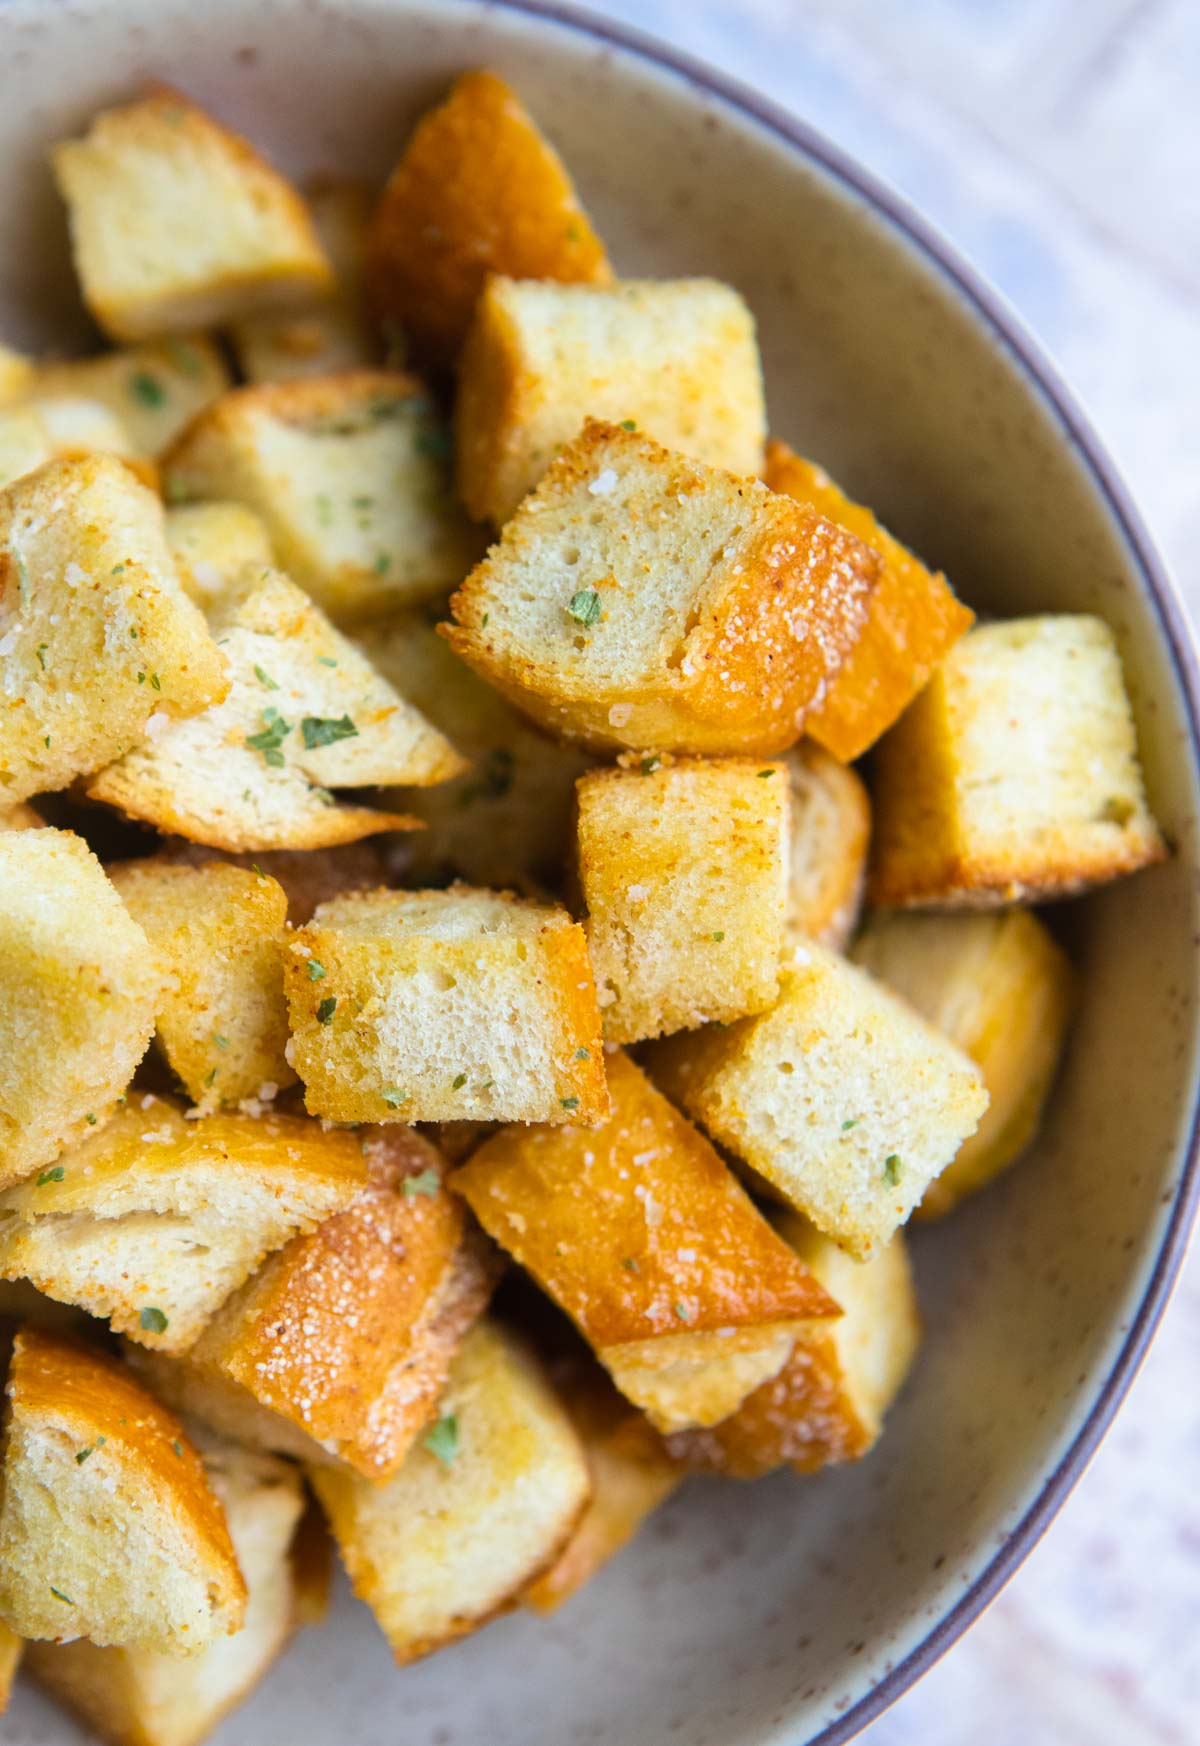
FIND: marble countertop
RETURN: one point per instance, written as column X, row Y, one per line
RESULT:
column 1055, row 142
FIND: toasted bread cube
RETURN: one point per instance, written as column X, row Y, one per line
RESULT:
column 100, row 636
column 505, row 821
column 217, row 933
column 133, row 1696
column 429, row 1006
column 177, row 223
column 999, row 987
column 830, row 835
column 24, row 442
column 305, row 712
column 641, row 599
column 154, row 389
column 340, row 1345
column 349, row 474
column 212, row 544
column 16, row 374
column 684, row 873
column 914, row 619
column 841, row 1097
column 828, row 1401
column 478, row 190
column 308, row 876
column 641, row 1234
column 677, row 357
column 155, row 1220
column 1015, row 773
column 21, row 818
column 78, row 992
column 330, row 334
column 485, row 1502
column 631, row 1474
column 108, row 1527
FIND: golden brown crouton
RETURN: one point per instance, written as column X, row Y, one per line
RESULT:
column 78, row 993
column 332, row 333
column 62, row 427
column 478, row 190
column 350, row 474
column 21, row 818
column 99, row 637
column 640, row 1233
column 339, row 1346
column 1015, row 774
column 305, row 713
column 108, row 1527
column 156, row 1219
column 217, row 932
column 641, row 599
column 485, row 1501
column 412, row 1006
column 212, row 543
column 16, row 373
column 828, row 1401
column 830, row 834
column 676, row 357
column 308, row 876
column 25, row 443
column 154, row 389
column 135, row 1697
column 914, row 619
column 507, row 820
column 841, row 1097
column 177, row 223
column 631, row 1474
column 999, row 987
column 683, row 867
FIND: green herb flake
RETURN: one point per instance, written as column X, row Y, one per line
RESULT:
column 316, row 971
column 326, row 661
column 719, row 935
column 763, row 773
column 153, row 1321
column 46, row 742
column 59, row 1595
column 117, row 570
column 651, row 764
column 483, row 621
column 683, row 1312
column 22, row 576
column 156, row 681
column 317, row 730
column 383, row 563
column 629, row 424
column 584, row 607
column 393, row 1096
column 146, row 389
column 460, row 1079
column 41, row 652
column 81, row 1455
column 178, row 1448
column 569, row 1102
column 55, row 1175
column 426, row 1182
column 327, row 1009
column 442, row 1439
column 852, row 1123
column 893, row 1169
column 271, row 738
column 582, row 1054
column 210, row 1077
column 265, row 679
column 91, row 1121
column 221, row 1042
column 141, row 678
column 629, row 1264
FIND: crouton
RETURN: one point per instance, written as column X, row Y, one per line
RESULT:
column 333, row 333
column 21, row 818
column 177, row 223
column 16, row 373
column 425, row 1006
column 830, row 834
column 506, row 820
column 135, row 1697
column 11, row 1649
column 339, row 1346
column 631, row 1474
column 828, row 1401
column 108, row 1527
column 478, row 190
column 305, row 712
column 999, row 987
column 641, row 599
column 156, row 1219
column 99, row 635
column 678, row 357
column 212, row 544
column 485, row 1501
column 641, row 1234
column 78, row 993
column 75, row 427
column 349, row 474
column 25, row 442
column 154, row 389
column 1014, row 774
column 217, row 932
column 308, row 876
column 684, row 872
column 841, row 1097
column 914, row 619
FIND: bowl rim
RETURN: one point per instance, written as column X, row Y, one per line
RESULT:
column 1009, row 330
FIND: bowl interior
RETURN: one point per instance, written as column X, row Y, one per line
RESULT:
column 767, row 1613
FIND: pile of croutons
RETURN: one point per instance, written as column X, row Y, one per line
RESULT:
column 371, row 951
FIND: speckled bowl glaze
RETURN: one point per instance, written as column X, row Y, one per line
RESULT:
column 790, row 1611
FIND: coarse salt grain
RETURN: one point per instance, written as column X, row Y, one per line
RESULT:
column 603, row 483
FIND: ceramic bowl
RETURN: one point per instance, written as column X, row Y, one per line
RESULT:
column 790, row 1611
